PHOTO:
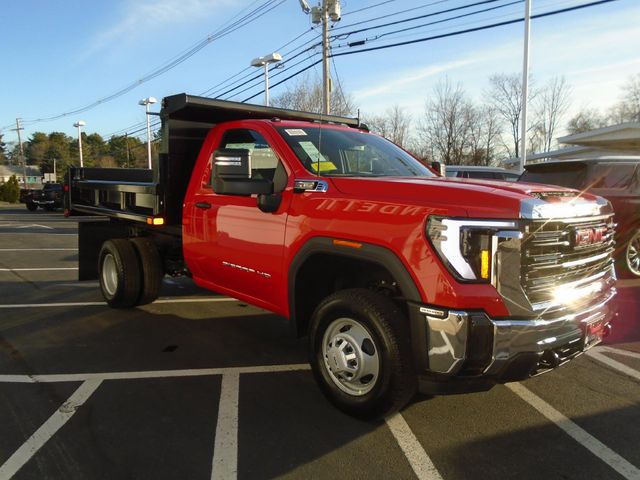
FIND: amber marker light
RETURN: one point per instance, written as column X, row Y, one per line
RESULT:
column 347, row 243
column 484, row 264
column 155, row 221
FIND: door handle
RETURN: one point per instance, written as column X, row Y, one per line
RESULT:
column 205, row 205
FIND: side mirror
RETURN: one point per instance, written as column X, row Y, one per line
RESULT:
column 269, row 203
column 231, row 174
column 232, row 163
column 439, row 168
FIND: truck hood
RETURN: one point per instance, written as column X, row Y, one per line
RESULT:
column 479, row 198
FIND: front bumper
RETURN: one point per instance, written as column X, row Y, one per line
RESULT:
column 469, row 351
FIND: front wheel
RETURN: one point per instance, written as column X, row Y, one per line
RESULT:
column 632, row 255
column 360, row 353
column 32, row 207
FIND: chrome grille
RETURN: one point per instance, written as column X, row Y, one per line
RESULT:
column 554, row 260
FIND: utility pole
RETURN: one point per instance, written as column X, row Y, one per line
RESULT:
column 24, row 163
column 329, row 10
column 326, row 74
column 126, row 139
column 525, row 84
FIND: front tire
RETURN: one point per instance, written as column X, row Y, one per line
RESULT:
column 360, row 353
column 631, row 265
column 119, row 273
column 32, row 207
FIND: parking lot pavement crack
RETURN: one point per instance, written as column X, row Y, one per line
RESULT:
column 19, row 276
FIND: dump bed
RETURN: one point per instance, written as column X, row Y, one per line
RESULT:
column 141, row 195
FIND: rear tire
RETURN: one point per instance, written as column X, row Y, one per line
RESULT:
column 32, row 207
column 151, row 268
column 119, row 273
column 360, row 353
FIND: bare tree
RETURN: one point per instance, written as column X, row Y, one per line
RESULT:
column 551, row 103
column 484, row 134
column 628, row 108
column 585, row 120
column 446, row 123
column 394, row 124
column 631, row 97
column 505, row 94
column 306, row 95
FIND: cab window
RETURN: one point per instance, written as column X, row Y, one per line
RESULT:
column 265, row 164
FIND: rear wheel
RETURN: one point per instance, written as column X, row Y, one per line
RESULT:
column 151, row 268
column 119, row 273
column 360, row 353
column 32, row 206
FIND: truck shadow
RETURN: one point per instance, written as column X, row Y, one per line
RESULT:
column 286, row 427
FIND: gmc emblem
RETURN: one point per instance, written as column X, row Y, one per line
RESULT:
column 589, row 236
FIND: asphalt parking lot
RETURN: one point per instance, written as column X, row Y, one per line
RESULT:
column 198, row 386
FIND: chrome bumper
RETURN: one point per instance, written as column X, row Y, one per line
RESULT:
column 461, row 343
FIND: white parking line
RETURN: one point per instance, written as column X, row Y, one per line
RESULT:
column 54, row 269
column 422, row 465
column 225, row 450
column 101, row 304
column 48, row 429
column 599, row 449
column 620, row 351
column 610, row 362
column 195, row 372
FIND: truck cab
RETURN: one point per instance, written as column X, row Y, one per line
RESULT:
column 401, row 279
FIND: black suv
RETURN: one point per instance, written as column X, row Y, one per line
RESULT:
column 49, row 198
column 618, row 180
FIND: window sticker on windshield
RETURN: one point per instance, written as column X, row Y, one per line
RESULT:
column 295, row 132
column 318, row 162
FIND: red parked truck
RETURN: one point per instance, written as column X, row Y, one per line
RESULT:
column 401, row 279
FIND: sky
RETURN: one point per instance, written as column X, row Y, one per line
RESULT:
column 60, row 56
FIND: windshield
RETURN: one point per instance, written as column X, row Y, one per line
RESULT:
column 569, row 175
column 350, row 153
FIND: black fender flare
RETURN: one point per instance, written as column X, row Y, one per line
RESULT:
column 369, row 252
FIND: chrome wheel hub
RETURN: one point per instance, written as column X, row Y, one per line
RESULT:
column 350, row 356
column 633, row 254
column 109, row 274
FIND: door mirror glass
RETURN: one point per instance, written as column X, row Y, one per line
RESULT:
column 232, row 163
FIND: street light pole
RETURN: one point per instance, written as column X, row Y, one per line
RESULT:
column 79, row 124
column 146, row 102
column 265, row 61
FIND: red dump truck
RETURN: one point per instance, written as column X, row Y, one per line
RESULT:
column 401, row 279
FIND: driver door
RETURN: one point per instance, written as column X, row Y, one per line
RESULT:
column 244, row 246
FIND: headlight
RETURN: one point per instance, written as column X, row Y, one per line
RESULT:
column 465, row 245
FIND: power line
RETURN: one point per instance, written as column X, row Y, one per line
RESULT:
column 388, row 15
column 436, row 22
column 209, row 91
column 258, row 12
column 445, row 35
column 342, row 36
column 476, row 29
